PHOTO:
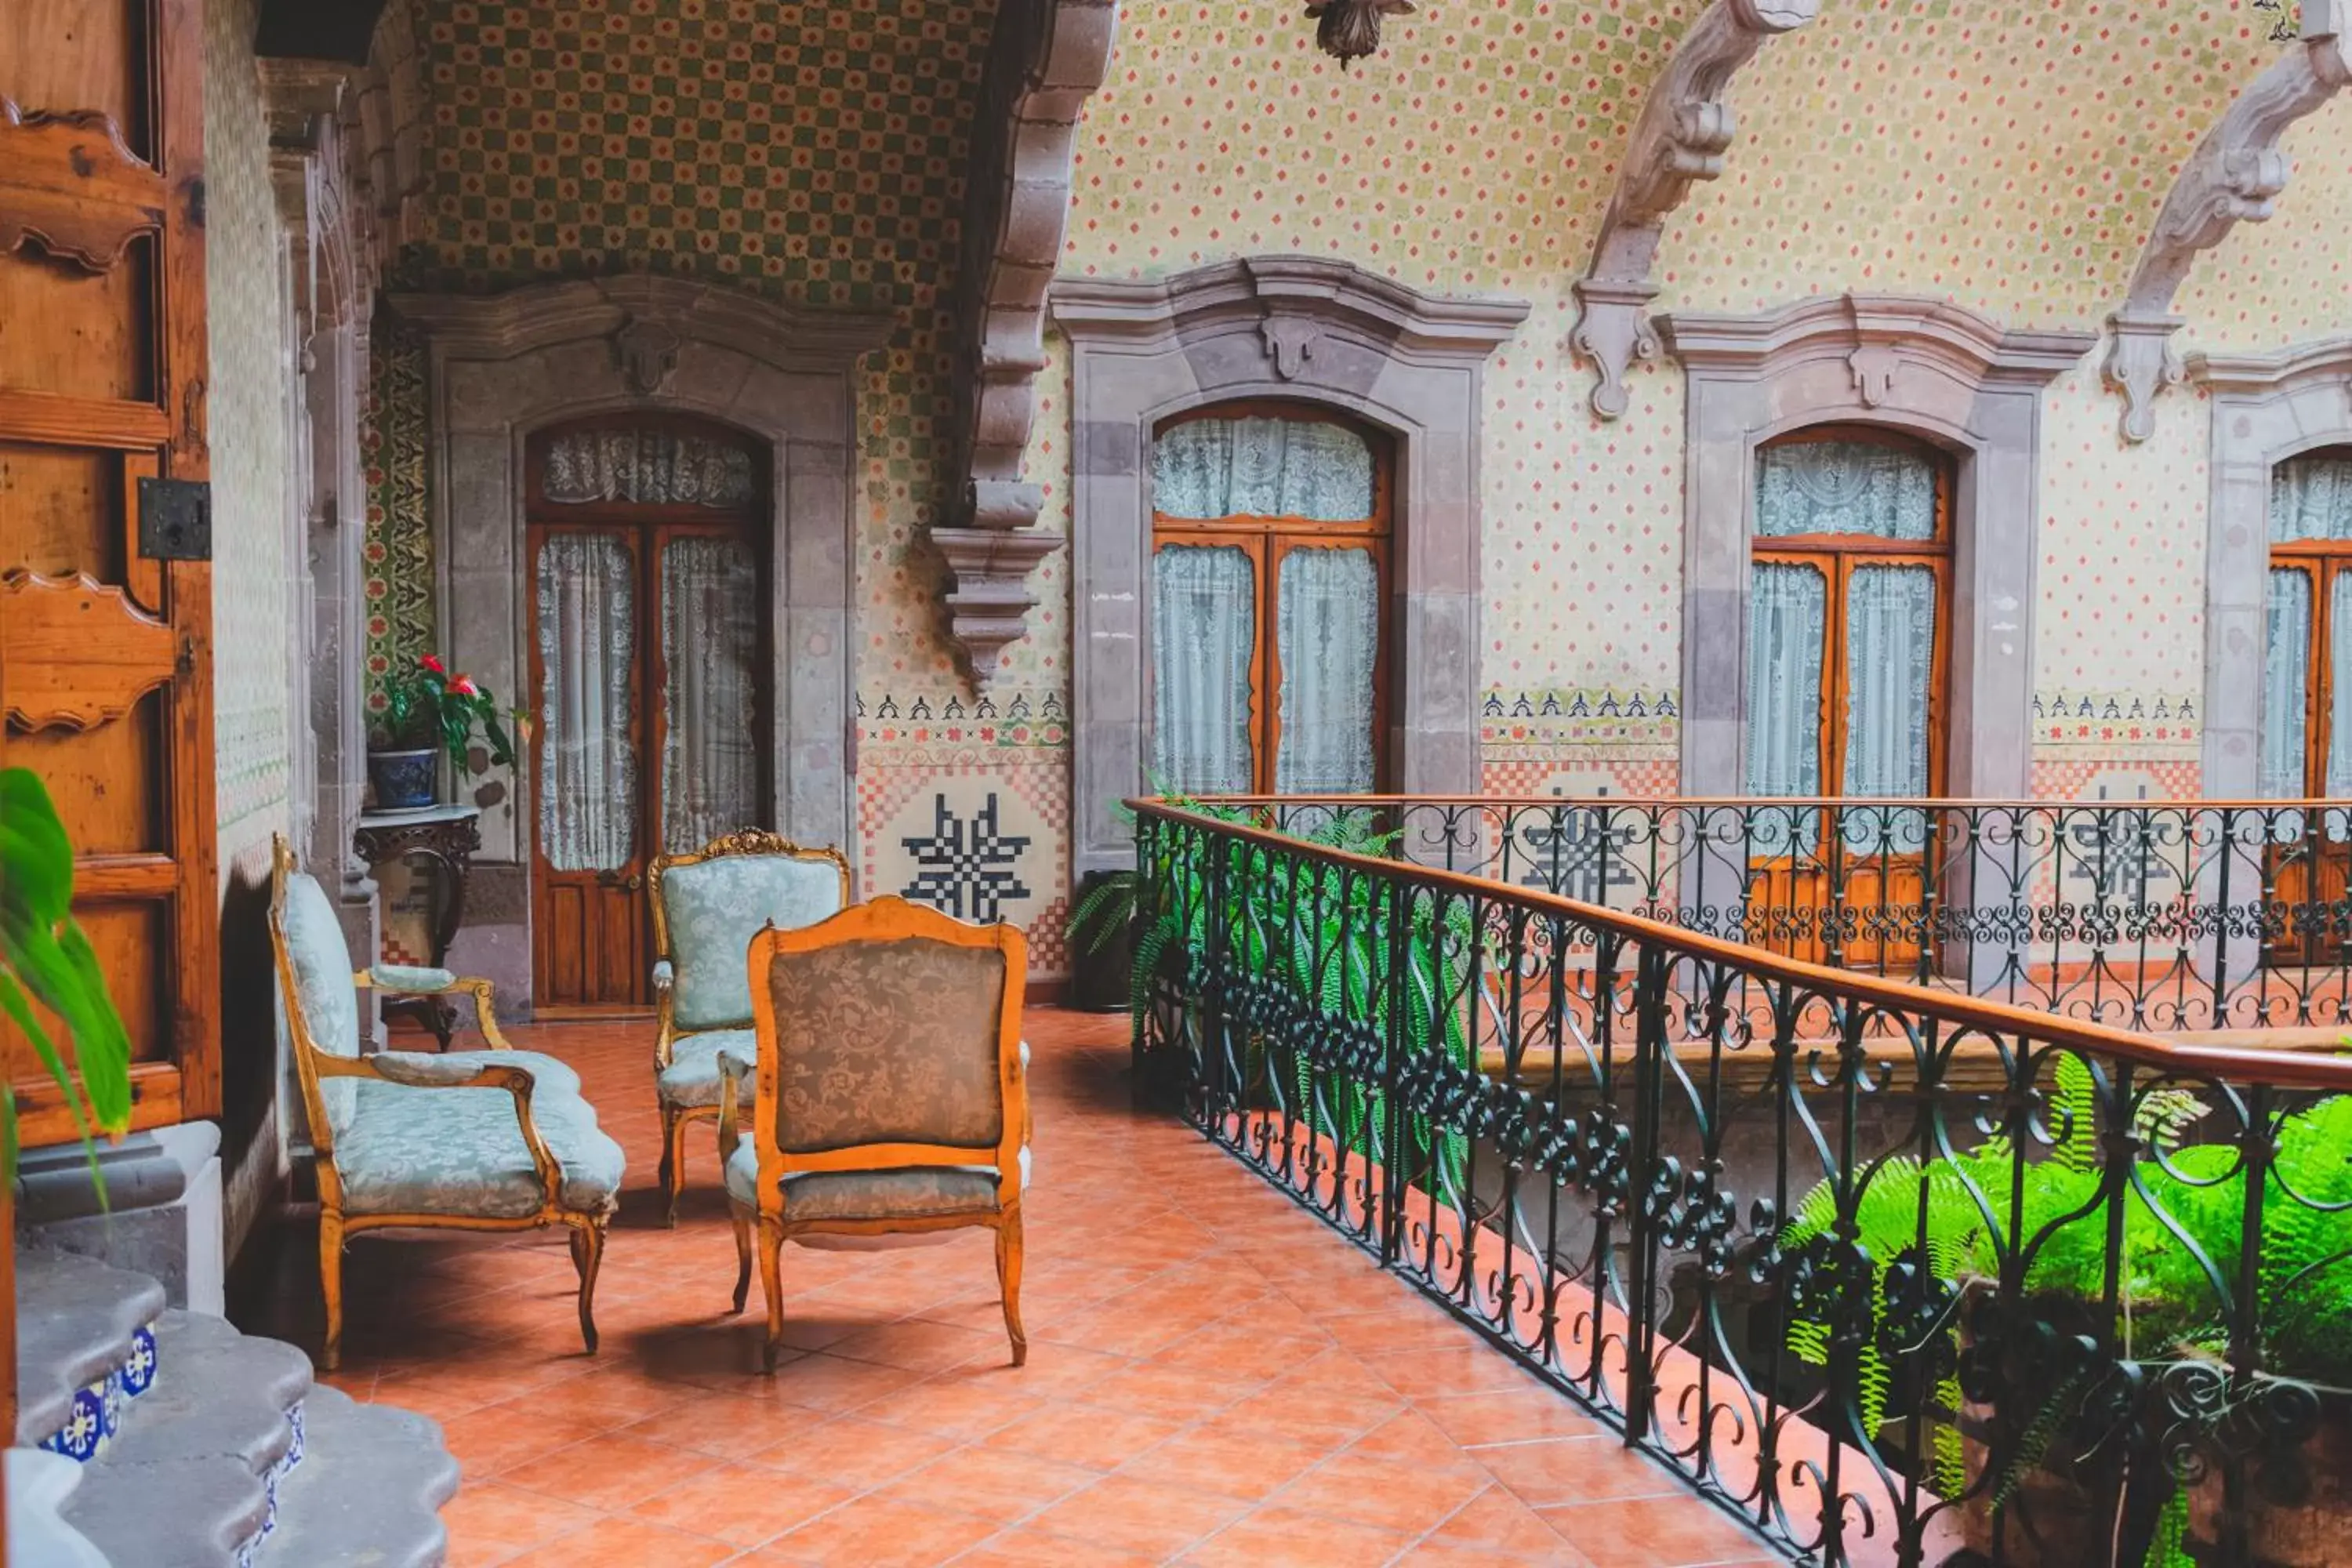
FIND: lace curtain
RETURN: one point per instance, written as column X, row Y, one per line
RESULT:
column 1327, row 628
column 1204, row 614
column 1890, row 641
column 587, row 647
column 1844, row 487
column 710, row 640
column 1788, row 614
column 2286, row 683
column 1262, row 467
column 647, row 466
column 2311, row 497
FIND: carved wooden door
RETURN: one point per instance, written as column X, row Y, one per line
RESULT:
column 105, row 590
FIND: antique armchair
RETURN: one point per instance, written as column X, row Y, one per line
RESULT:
column 891, row 1095
column 492, row 1139
column 708, row 906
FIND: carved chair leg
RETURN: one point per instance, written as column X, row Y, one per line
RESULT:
column 330, row 1279
column 673, row 1160
column 1008, row 1283
column 743, row 1218
column 772, row 1285
column 587, row 1257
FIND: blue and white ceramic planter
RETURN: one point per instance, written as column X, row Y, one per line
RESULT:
column 404, row 781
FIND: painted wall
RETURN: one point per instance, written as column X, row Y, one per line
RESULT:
column 257, row 561
column 2011, row 158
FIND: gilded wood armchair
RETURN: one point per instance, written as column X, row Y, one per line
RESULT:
column 492, row 1139
column 890, row 1093
column 708, row 906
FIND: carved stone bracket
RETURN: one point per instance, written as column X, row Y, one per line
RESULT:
column 2234, row 176
column 1685, row 128
column 1046, row 59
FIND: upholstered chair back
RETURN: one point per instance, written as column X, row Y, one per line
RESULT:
column 324, row 992
column 712, row 906
column 890, row 1041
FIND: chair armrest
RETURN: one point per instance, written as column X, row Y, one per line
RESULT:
column 403, row 980
column 734, row 1076
column 430, row 1069
column 410, row 980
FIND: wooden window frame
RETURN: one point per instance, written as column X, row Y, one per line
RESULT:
column 2321, row 561
column 645, row 530
column 1269, row 540
column 1836, row 556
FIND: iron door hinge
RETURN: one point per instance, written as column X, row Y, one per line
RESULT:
column 175, row 519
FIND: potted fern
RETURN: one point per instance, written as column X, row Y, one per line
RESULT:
column 427, row 714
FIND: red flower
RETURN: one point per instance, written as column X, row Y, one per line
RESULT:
column 464, row 686
column 433, row 664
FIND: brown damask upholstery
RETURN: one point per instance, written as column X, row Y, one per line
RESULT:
column 916, row 1192
column 884, row 1042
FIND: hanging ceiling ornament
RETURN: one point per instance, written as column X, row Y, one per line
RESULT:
column 1347, row 30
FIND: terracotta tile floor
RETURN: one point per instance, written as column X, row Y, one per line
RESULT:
column 1213, row 1378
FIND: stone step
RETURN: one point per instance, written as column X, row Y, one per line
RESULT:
column 79, row 1328
column 368, row 1492
column 217, row 1393
column 189, row 1480
column 40, row 1482
column 199, row 1513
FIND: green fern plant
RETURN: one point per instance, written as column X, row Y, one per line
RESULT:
column 47, row 965
column 1948, row 1216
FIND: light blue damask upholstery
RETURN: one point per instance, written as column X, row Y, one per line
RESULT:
column 323, row 987
column 713, row 909
column 548, row 1075
column 410, row 979
column 461, row 1151
column 692, row 1076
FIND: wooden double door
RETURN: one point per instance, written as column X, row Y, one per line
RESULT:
column 648, row 695
column 105, row 574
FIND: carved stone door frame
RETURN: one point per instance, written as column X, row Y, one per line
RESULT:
column 502, row 366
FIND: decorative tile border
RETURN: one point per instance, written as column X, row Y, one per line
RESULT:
column 898, row 723
column 2147, row 723
column 1541, row 717
column 96, row 1413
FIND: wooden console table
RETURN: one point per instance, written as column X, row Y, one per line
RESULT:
column 443, row 837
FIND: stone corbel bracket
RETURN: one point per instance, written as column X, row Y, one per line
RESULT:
column 2234, row 176
column 1047, row 59
column 1685, row 128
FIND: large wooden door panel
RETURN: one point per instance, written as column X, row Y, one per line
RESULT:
column 105, row 655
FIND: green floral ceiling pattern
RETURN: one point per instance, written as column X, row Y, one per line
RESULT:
column 813, row 152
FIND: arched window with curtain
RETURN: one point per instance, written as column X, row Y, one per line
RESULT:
column 2307, row 725
column 2306, row 752
column 1849, row 619
column 1849, row 616
column 1269, row 582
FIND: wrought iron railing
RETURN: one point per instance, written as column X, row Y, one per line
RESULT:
column 1891, row 1271
column 2196, row 916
